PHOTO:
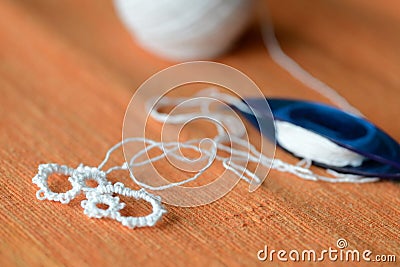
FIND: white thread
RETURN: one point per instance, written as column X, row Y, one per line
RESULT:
column 162, row 146
column 300, row 141
column 256, row 156
column 201, row 100
column 185, row 30
column 299, row 73
column 308, row 145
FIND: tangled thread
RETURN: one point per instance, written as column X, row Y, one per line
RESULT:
column 248, row 153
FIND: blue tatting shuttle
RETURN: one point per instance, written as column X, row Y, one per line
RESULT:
column 381, row 151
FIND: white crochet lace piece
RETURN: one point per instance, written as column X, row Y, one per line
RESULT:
column 102, row 194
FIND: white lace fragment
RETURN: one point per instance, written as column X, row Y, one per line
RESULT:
column 102, row 194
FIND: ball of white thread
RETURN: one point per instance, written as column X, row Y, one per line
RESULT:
column 308, row 145
column 183, row 30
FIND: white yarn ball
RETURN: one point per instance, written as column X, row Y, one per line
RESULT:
column 183, row 29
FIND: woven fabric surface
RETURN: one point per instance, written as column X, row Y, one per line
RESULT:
column 67, row 72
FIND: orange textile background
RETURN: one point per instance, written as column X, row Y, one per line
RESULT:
column 67, row 72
